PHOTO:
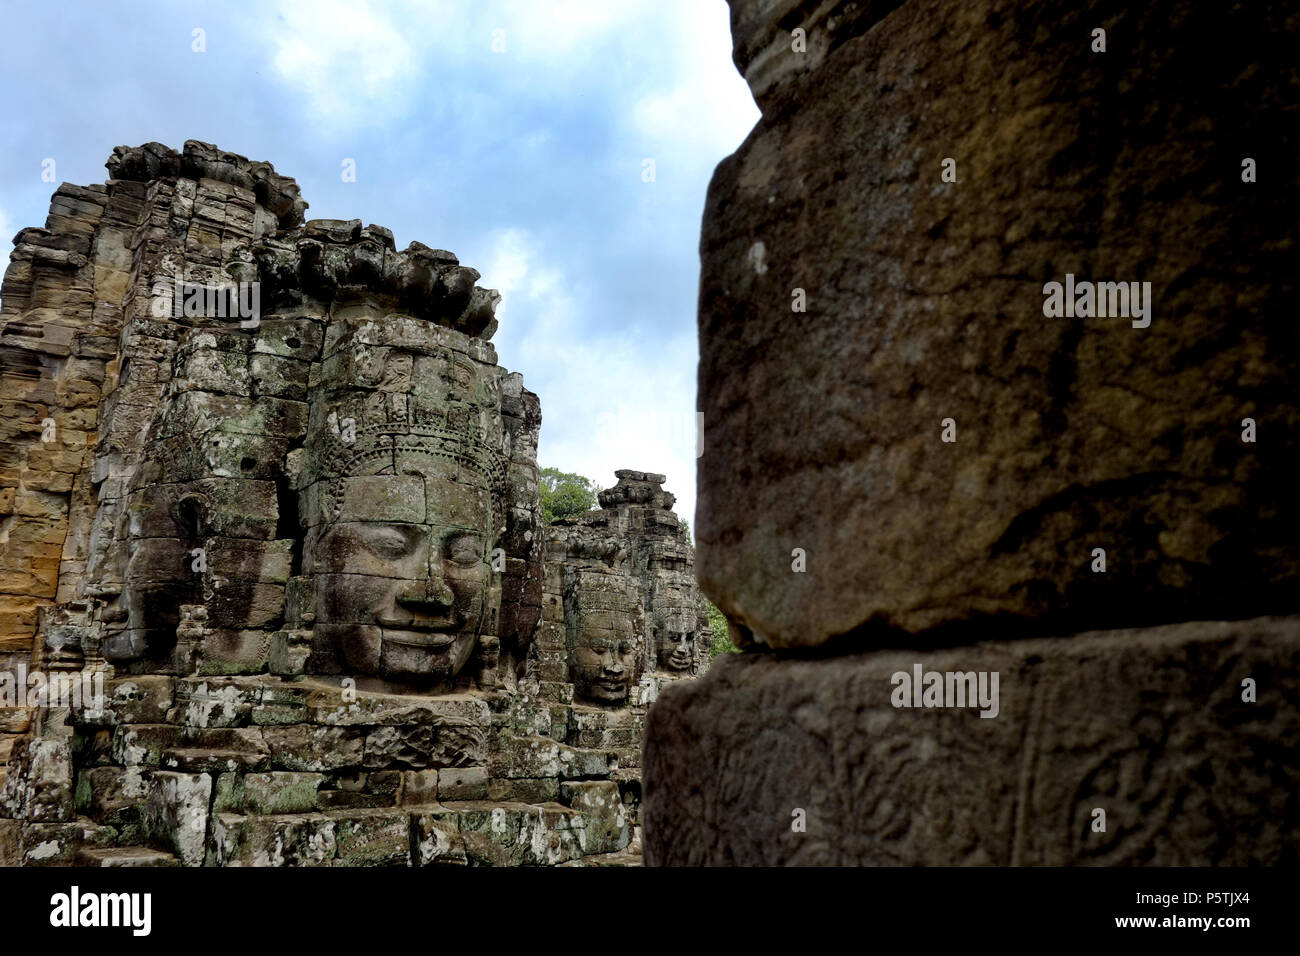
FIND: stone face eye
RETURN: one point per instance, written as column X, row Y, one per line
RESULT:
column 387, row 541
column 465, row 549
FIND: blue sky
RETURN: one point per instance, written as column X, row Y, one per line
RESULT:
column 512, row 132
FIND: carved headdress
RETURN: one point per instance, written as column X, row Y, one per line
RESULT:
column 390, row 444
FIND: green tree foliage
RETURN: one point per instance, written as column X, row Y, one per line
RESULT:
column 564, row 494
column 721, row 639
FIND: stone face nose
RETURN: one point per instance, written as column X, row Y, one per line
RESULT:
column 431, row 595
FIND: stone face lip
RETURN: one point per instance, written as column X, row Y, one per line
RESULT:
column 199, row 160
column 1147, row 725
column 925, row 303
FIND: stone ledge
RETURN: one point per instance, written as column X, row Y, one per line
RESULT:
column 1148, row 725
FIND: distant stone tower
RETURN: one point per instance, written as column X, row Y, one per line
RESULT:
column 624, row 576
column 621, row 615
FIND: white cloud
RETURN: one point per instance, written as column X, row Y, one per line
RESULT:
column 353, row 62
column 350, row 60
column 556, row 31
column 510, row 262
column 607, row 403
column 707, row 107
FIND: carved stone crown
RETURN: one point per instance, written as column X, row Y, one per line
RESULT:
column 376, row 445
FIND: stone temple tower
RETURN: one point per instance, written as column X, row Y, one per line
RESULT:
column 271, row 566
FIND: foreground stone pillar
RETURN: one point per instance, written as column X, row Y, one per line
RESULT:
column 915, row 442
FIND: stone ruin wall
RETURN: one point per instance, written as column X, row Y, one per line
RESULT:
column 848, row 539
column 301, row 552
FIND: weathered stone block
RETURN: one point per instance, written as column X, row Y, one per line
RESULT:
column 424, row 746
column 374, row 838
column 228, row 651
column 514, row 834
column 279, row 377
column 524, row 790
column 124, row 856
column 176, row 813
column 288, row 653
column 112, row 796
column 281, row 792
column 550, row 837
column 42, row 791
column 228, row 792
column 279, row 840
column 327, row 705
column 419, row 787
column 925, row 301
column 217, row 701
column 605, row 824
column 57, row 844
column 462, row 783
column 139, row 699
column 354, row 800
column 10, row 842
column 305, row 747
column 543, row 757
column 436, row 838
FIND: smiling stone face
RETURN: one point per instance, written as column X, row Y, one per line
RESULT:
column 675, row 649
column 402, row 580
column 604, row 633
column 404, row 500
column 601, row 667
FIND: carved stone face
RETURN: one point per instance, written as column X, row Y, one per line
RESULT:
column 403, row 581
column 675, row 649
column 600, row 666
column 141, row 606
